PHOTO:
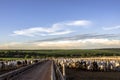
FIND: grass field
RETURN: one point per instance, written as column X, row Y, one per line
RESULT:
column 59, row 53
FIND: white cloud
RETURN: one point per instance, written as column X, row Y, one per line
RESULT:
column 35, row 31
column 61, row 33
column 79, row 23
column 55, row 29
column 68, row 44
column 111, row 28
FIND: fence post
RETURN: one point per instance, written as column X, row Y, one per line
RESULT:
column 64, row 71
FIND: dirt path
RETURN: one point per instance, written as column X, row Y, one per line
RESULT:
column 39, row 72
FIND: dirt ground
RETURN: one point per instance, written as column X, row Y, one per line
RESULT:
column 73, row 74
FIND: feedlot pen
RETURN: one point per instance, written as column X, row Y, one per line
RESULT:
column 74, row 74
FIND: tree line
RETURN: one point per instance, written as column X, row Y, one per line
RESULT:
column 59, row 53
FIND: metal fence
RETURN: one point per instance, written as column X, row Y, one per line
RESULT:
column 58, row 73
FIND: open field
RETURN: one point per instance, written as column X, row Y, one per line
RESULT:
column 59, row 53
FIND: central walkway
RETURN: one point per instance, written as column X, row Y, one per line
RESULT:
column 39, row 72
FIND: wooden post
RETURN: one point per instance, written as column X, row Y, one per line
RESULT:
column 64, row 71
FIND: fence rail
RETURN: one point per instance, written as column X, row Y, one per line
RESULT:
column 58, row 72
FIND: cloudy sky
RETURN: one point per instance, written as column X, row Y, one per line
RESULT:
column 59, row 24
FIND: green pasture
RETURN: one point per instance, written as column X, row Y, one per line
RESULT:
column 22, row 54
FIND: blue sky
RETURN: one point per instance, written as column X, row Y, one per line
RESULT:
column 30, row 23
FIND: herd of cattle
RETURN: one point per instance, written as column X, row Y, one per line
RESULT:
column 89, row 65
column 74, row 63
column 14, row 64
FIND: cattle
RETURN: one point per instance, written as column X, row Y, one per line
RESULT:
column 89, row 64
column 14, row 64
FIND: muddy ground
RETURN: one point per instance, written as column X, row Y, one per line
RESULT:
column 73, row 74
